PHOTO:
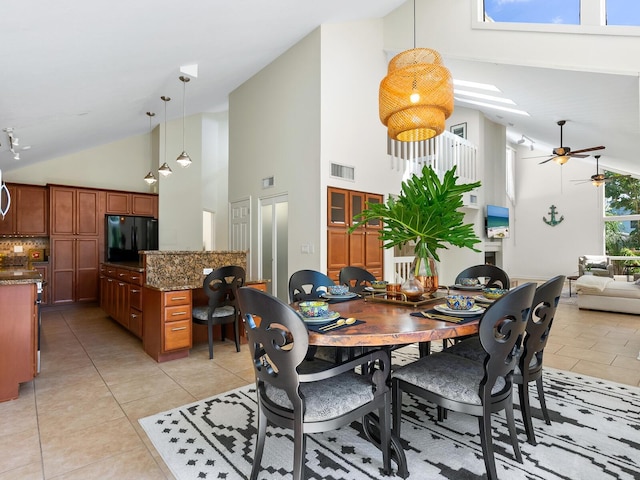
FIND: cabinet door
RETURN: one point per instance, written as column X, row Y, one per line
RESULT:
column 87, row 221
column 374, row 198
column 63, row 206
column 32, row 208
column 356, row 206
column 118, row 203
column 63, row 270
column 357, row 248
column 338, row 207
column 87, row 270
column 374, row 255
column 337, row 251
column 143, row 205
column 8, row 223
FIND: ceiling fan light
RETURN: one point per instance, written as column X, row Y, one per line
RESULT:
column 561, row 159
column 184, row 159
column 597, row 183
column 150, row 178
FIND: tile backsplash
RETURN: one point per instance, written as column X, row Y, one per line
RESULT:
column 7, row 245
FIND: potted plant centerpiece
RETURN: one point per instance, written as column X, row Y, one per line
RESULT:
column 425, row 212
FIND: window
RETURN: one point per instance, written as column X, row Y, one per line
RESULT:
column 511, row 175
column 622, row 214
column 623, row 12
column 564, row 12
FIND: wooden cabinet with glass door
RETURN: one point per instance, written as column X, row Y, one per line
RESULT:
column 362, row 248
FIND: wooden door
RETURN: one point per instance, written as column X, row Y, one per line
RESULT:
column 63, row 269
column 32, row 210
column 87, row 208
column 63, row 206
column 87, row 269
column 8, row 223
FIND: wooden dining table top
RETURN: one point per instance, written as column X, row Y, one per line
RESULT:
column 387, row 324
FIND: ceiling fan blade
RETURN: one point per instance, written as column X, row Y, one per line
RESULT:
column 547, row 160
column 578, row 155
column 601, row 147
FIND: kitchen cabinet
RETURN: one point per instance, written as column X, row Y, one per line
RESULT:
column 75, row 211
column 18, row 338
column 167, row 332
column 121, row 296
column 74, row 269
column 29, row 211
column 362, row 248
column 124, row 203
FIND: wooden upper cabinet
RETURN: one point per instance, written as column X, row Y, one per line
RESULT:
column 74, row 211
column 123, row 203
column 343, row 205
column 29, row 211
column 118, row 203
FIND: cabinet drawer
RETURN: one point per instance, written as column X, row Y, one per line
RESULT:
column 122, row 274
column 111, row 272
column 177, row 335
column 135, row 278
column 135, row 322
column 179, row 297
column 135, row 296
column 177, row 312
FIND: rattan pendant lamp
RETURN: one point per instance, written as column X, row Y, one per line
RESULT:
column 416, row 96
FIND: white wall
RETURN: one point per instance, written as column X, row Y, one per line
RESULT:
column 274, row 130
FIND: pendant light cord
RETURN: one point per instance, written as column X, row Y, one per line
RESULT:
column 414, row 24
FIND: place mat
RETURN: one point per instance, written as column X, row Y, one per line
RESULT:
column 316, row 328
column 442, row 316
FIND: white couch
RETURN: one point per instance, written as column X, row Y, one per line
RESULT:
column 604, row 293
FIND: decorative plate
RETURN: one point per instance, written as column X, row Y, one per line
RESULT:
column 476, row 310
column 314, row 320
column 483, row 299
column 328, row 296
column 468, row 287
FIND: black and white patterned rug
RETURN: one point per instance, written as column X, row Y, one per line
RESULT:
column 595, row 434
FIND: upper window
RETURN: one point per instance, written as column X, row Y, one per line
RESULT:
column 623, row 12
column 564, row 12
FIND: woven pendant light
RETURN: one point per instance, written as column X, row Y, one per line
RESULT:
column 416, row 96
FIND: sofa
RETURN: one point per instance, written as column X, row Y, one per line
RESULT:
column 598, row 265
column 604, row 293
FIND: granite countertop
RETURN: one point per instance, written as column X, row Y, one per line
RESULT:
column 17, row 276
column 195, row 287
column 134, row 266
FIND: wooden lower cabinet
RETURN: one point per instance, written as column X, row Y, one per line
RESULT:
column 74, row 269
column 167, row 331
column 121, row 296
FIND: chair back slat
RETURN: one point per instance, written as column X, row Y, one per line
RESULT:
column 307, row 285
column 498, row 278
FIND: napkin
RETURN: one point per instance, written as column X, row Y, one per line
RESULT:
column 459, row 321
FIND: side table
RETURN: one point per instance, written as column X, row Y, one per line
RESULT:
column 571, row 278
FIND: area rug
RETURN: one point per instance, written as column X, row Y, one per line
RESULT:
column 595, row 434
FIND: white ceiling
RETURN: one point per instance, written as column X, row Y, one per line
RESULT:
column 76, row 74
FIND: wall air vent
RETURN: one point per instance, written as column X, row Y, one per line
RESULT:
column 342, row 171
column 268, row 182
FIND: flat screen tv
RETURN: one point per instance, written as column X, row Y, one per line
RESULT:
column 497, row 222
column 127, row 234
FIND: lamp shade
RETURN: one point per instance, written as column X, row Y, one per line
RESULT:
column 416, row 96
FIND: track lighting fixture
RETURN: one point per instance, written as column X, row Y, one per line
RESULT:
column 165, row 169
column 183, row 159
column 150, row 178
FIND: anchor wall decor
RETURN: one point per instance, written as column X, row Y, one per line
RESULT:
column 552, row 212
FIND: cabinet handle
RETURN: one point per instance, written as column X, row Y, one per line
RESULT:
column 178, row 298
column 121, row 284
column 133, row 290
column 178, row 329
column 133, row 315
column 134, row 278
column 175, row 314
column 121, row 274
column 109, row 280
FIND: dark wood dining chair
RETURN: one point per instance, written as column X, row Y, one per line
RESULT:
column 529, row 367
column 498, row 278
column 459, row 384
column 221, row 286
column 306, row 285
column 308, row 397
column 356, row 278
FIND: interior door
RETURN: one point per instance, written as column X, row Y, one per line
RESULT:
column 240, row 229
column 273, row 245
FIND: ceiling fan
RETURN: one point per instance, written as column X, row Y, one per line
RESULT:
column 562, row 154
column 599, row 178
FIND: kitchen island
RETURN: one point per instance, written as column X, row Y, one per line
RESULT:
column 18, row 329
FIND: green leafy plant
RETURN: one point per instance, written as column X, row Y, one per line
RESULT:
column 426, row 211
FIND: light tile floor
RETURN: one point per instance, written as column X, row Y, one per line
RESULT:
column 78, row 418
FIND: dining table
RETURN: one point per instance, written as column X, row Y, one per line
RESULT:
column 386, row 323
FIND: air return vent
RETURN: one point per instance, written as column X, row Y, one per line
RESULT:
column 342, row 171
column 268, row 182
